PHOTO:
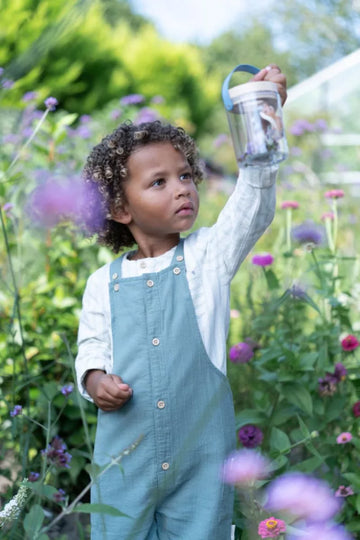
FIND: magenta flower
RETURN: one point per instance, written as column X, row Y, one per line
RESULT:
column 356, row 409
column 289, row 204
column 349, row 343
column 271, row 527
column 34, row 476
column 302, row 497
column 321, row 531
column 262, row 259
column 67, row 389
column 17, row 410
column 244, row 467
column 344, row 437
column 51, row 103
column 327, row 215
column 334, row 194
column 344, row 491
column 241, row 353
column 250, row 436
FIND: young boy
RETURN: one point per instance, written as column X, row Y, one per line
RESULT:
column 152, row 336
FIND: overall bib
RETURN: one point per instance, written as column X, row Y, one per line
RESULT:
column 182, row 406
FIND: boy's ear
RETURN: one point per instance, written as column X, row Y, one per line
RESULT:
column 121, row 215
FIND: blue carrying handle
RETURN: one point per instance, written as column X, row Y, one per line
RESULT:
column 225, row 87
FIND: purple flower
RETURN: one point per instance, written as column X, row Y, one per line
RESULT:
column 17, row 410
column 11, row 138
column 344, row 491
column 327, row 385
column 7, row 84
column 146, row 115
column 250, row 436
column 321, row 531
column 85, row 118
column 132, row 99
column 220, row 140
column 51, row 103
column 244, row 467
column 356, row 409
column 34, row 476
column 241, row 353
column 59, row 496
column 262, row 259
column 295, row 151
column 303, row 497
column 115, row 114
column 29, row 96
column 7, row 209
column 56, row 453
column 83, row 132
column 297, row 291
column 308, row 232
column 67, row 389
column 344, row 437
column 340, row 372
column 157, row 100
column 1, row 71
column 321, row 124
column 300, row 126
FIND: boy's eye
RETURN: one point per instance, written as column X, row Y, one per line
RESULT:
column 158, row 182
column 186, row 176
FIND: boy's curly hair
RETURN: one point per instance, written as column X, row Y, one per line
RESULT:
column 106, row 170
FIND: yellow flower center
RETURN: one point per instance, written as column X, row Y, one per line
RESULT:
column 271, row 524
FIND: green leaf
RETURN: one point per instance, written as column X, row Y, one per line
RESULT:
column 278, row 463
column 99, row 508
column 279, row 440
column 43, row 490
column 309, row 465
column 271, row 280
column 357, row 503
column 249, row 416
column 298, row 395
column 353, row 479
column 303, row 427
column 33, row 520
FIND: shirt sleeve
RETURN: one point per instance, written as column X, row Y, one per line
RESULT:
column 94, row 338
column 245, row 217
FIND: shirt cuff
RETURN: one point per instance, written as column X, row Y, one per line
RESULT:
column 259, row 177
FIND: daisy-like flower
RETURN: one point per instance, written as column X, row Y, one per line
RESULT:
column 349, row 343
column 271, row 527
column 356, row 409
column 241, row 353
column 262, row 259
column 250, row 436
column 334, row 194
column 290, row 204
column 244, row 467
column 344, row 437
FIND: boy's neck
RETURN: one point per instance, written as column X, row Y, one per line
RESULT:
column 155, row 249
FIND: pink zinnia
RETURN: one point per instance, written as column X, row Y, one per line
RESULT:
column 344, row 491
column 334, row 194
column 244, row 467
column 271, row 527
column 356, row 409
column 344, row 437
column 290, row 204
column 262, row 259
column 349, row 343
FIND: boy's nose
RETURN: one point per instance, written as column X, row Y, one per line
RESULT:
column 182, row 189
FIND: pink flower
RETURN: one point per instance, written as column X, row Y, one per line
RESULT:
column 349, row 343
column 302, row 497
column 344, row 437
column 290, row 204
column 241, row 353
column 262, row 259
column 356, row 409
column 271, row 527
column 244, row 467
column 327, row 215
column 344, row 491
column 234, row 313
column 334, row 194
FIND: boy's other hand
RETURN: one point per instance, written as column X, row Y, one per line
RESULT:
column 107, row 390
column 273, row 73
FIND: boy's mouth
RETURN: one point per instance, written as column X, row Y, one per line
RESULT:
column 185, row 209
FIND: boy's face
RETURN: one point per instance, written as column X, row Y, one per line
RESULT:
column 161, row 197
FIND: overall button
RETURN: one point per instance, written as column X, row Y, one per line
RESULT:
column 165, row 466
column 155, row 341
column 150, row 283
column 161, row 404
column 116, row 287
column 179, row 258
column 176, row 270
column 114, row 276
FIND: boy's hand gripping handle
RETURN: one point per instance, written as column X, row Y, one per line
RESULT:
column 225, row 87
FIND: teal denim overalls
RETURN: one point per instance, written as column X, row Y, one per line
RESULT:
column 182, row 405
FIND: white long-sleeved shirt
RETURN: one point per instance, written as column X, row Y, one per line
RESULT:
column 212, row 257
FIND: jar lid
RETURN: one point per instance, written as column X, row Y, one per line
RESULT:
column 237, row 93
